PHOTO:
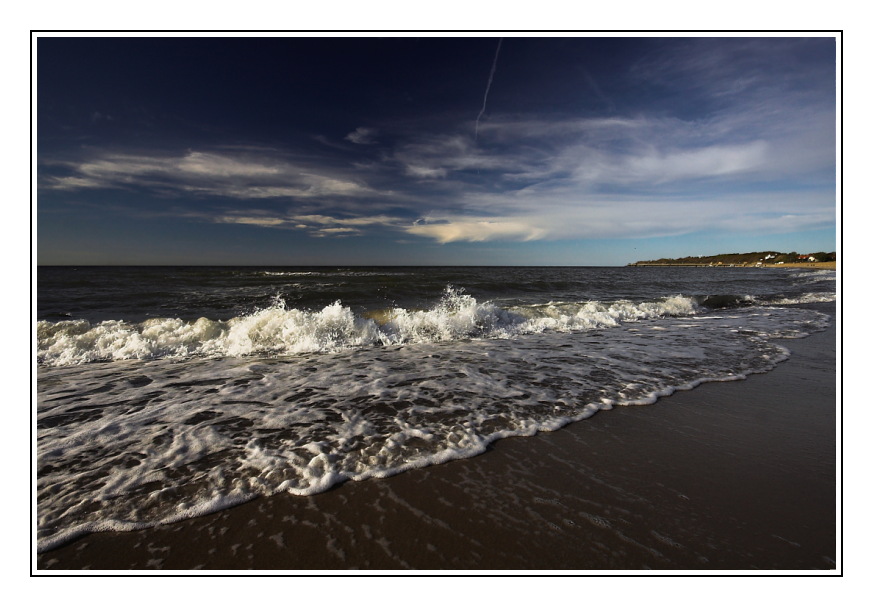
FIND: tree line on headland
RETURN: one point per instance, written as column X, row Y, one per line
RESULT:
column 744, row 259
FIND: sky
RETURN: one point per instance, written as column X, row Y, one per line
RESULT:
column 520, row 150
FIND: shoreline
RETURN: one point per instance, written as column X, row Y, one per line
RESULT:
column 727, row 476
column 813, row 265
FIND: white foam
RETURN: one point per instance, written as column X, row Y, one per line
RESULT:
column 457, row 316
column 807, row 298
column 279, row 330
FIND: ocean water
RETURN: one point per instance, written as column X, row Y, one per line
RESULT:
column 165, row 393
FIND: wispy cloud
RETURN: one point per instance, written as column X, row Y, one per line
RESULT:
column 326, row 225
column 653, row 166
column 268, row 222
column 314, row 224
column 437, row 156
column 566, row 215
column 477, row 229
column 362, row 136
column 241, row 176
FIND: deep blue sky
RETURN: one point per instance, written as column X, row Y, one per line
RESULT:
column 586, row 150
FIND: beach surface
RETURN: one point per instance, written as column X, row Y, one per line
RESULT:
column 809, row 265
column 728, row 476
column 806, row 265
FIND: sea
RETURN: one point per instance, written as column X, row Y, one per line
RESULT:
column 165, row 393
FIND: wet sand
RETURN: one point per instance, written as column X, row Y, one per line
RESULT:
column 728, row 476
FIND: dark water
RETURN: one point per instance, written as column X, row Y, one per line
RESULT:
column 135, row 294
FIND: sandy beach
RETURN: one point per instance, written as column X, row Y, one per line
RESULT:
column 728, row 476
column 808, row 265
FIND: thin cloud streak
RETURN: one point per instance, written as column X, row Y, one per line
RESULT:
column 208, row 174
column 488, row 87
column 315, row 224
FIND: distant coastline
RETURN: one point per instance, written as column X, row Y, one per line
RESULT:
column 825, row 265
column 764, row 259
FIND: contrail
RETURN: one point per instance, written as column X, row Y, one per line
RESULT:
column 488, row 88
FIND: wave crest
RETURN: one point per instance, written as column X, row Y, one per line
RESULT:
column 280, row 330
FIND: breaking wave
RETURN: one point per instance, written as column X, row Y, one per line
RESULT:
column 280, row 330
